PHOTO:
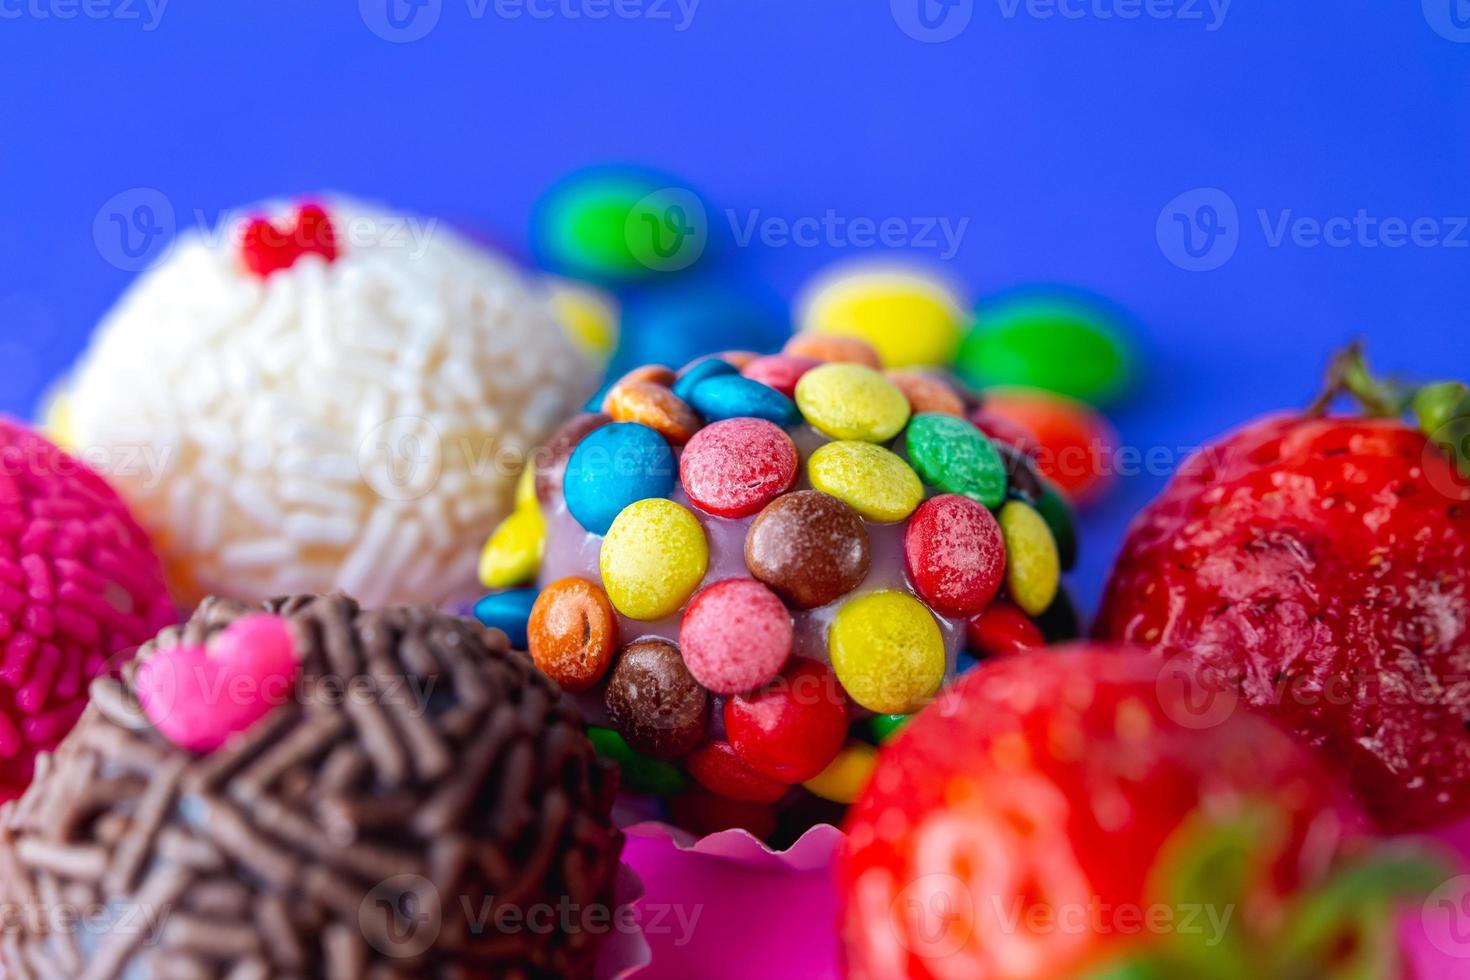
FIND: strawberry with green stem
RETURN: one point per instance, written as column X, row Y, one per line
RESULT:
column 1099, row 824
column 1317, row 567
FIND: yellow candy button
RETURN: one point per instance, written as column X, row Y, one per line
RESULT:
column 871, row 480
column 845, row 778
column 512, row 556
column 589, row 315
column 526, row 488
column 850, row 401
column 911, row 319
column 653, row 558
column 1033, row 566
column 887, row 651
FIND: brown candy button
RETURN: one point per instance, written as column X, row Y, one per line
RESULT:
column 1021, row 475
column 654, row 702
column 551, row 459
column 809, row 547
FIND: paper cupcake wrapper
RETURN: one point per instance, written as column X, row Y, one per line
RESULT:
column 812, row 851
column 624, row 953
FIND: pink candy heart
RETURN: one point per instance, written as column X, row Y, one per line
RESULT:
column 198, row 697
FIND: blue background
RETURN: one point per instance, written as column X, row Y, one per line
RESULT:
column 1062, row 140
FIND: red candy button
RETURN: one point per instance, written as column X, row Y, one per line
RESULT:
column 703, row 812
column 736, row 636
column 780, row 371
column 266, row 249
column 791, row 730
column 1002, row 630
column 718, row 768
column 735, row 467
column 955, row 554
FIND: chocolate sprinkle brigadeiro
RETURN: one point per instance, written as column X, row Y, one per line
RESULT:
column 340, row 837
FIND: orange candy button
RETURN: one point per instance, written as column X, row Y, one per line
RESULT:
column 833, row 350
column 655, row 406
column 573, row 633
column 926, row 393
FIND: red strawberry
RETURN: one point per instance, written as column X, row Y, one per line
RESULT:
column 1319, row 569
column 1074, row 813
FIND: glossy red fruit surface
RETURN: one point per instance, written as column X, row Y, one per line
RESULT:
column 1031, row 821
column 791, row 729
column 1320, row 570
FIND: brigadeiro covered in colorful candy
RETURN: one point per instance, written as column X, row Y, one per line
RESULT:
column 752, row 570
column 334, row 391
column 79, row 585
column 313, row 789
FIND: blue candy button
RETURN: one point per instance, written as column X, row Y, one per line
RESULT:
column 731, row 396
column 710, row 367
column 508, row 611
column 614, row 466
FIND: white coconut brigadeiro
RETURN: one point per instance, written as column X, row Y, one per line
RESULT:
column 331, row 397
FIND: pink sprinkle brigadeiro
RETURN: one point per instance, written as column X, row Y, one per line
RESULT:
column 79, row 584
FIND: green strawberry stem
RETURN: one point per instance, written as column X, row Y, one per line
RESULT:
column 1441, row 409
column 1342, row 926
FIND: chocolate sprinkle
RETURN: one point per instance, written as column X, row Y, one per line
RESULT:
column 314, row 844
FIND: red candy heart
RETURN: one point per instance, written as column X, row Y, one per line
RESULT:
column 791, row 730
column 266, row 249
column 199, row 696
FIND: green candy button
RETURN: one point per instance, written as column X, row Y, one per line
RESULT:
column 619, row 225
column 1051, row 342
column 641, row 774
column 885, row 727
column 953, row 456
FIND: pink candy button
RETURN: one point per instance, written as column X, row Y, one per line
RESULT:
column 735, row 467
column 200, row 696
column 736, row 636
